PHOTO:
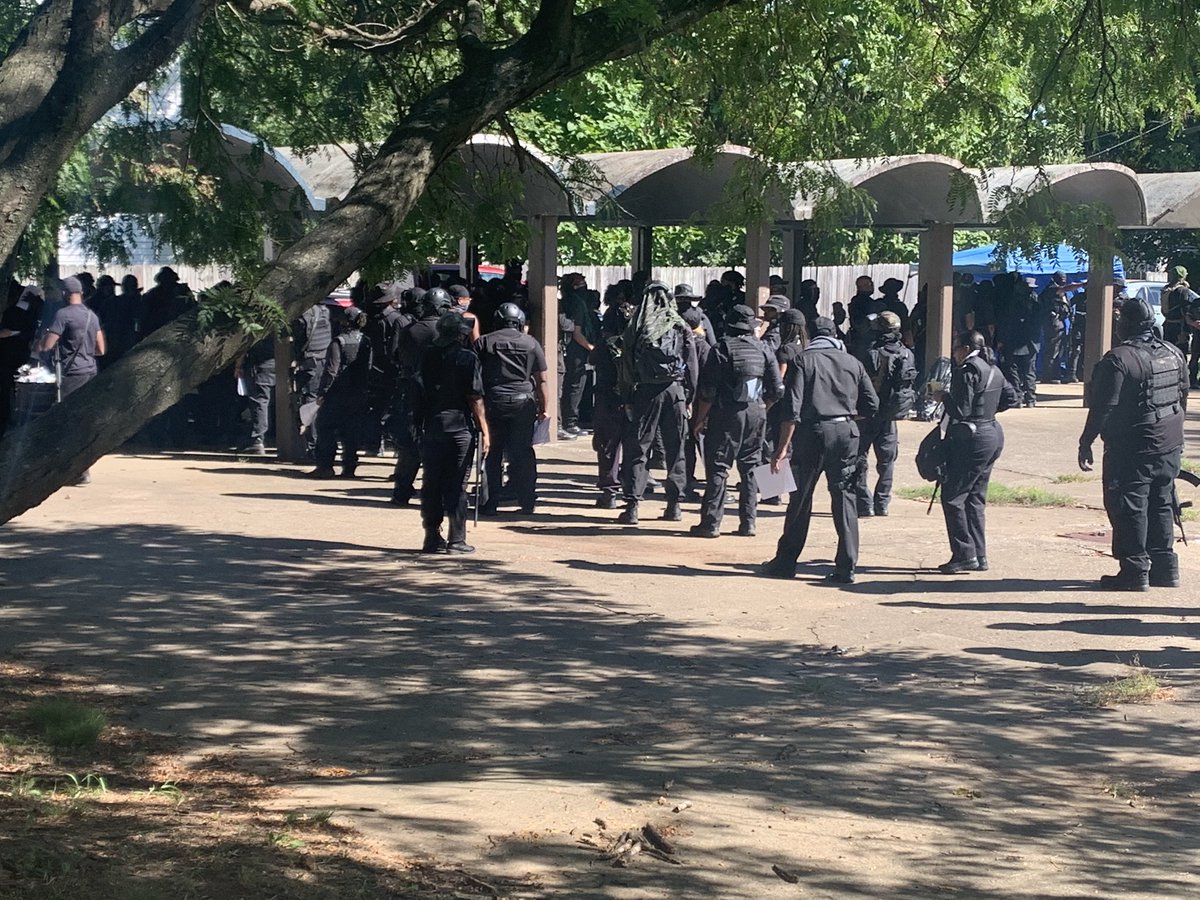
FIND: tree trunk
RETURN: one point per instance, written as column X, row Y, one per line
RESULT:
column 101, row 416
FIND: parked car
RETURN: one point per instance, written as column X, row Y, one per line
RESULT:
column 1150, row 292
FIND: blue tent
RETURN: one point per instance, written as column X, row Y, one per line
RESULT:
column 979, row 262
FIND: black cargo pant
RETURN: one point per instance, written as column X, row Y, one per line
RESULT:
column 1019, row 372
column 655, row 408
column 574, row 382
column 447, row 457
column 344, row 420
column 971, row 451
column 1054, row 345
column 608, row 421
column 260, row 385
column 734, row 434
column 1139, row 496
column 878, row 434
column 510, row 423
column 308, row 379
column 405, row 425
column 829, row 447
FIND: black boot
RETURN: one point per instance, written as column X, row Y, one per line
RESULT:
column 955, row 566
column 1164, row 570
column 1125, row 581
column 673, row 512
column 434, row 542
column 607, row 500
column 630, row 516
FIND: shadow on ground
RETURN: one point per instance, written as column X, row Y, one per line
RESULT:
column 408, row 670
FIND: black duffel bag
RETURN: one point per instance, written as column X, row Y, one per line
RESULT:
column 931, row 455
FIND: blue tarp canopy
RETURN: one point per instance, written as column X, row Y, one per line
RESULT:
column 979, row 261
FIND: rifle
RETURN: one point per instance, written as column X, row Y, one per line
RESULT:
column 932, row 497
column 478, row 492
column 1177, row 507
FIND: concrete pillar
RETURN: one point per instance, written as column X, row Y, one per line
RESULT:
column 758, row 265
column 1098, row 337
column 936, row 269
column 641, row 248
column 795, row 249
column 289, row 447
column 542, row 280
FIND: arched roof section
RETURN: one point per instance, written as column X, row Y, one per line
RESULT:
column 1107, row 184
column 269, row 164
column 911, row 191
column 1172, row 199
column 486, row 159
column 664, row 187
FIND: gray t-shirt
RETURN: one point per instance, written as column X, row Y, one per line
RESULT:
column 76, row 327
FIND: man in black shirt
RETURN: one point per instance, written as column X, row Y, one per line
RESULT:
column 18, row 324
column 657, row 373
column 257, row 371
column 1020, row 340
column 893, row 372
column 411, row 345
column 342, row 395
column 826, row 388
column 737, row 382
column 452, row 381
column 516, row 397
column 311, row 334
column 1138, row 406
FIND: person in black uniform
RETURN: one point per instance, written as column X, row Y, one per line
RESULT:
column 826, row 388
column 1173, row 301
column 974, row 442
column 18, row 324
column 737, row 382
column 342, row 395
column 893, row 373
column 1138, row 405
column 257, row 370
column 608, row 417
column 861, row 311
column 312, row 334
column 454, row 419
column 1020, row 341
column 659, row 355
column 889, row 298
column 412, row 343
column 384, row 321
column 516, row 397
column 772, row 310
column 585, row 331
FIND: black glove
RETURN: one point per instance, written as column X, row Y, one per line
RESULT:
column 1085, row 457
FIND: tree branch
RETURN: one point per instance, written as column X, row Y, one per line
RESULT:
column 370, row 37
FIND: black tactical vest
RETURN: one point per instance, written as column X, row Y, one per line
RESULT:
column 320, row 333
column 745, row 369
column 1160, row 377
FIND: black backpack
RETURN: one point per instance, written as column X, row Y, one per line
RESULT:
column 931, row 455
column 661, row 360
column 893, row 382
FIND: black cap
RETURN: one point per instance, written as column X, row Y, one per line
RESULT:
column 823, row 325
column 740, row 318
column 72, row 285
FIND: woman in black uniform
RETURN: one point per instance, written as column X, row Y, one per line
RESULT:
column 974, row 441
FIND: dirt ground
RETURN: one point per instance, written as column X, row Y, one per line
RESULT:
column 908, row 736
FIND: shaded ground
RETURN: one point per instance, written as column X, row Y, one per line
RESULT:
column 911, row 736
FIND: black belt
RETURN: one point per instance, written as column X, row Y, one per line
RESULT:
column 821, row 420
column 511, row 397
column 992, row 420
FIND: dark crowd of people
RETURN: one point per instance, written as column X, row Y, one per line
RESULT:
column 664, row 378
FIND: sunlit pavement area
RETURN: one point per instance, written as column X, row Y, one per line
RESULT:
column 911, row 735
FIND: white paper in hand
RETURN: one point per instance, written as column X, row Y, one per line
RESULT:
column 541, row 431
column 774, row 484
column 242, row 392
column 308, row 413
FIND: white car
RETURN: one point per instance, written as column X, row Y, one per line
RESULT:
column 1151, row 292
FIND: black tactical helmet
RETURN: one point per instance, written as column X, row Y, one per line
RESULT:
column 452, row 328
column 1136, row 317
column 438, row 299
column 509, row 315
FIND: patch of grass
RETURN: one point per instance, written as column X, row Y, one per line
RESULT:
column 168, row 789
column 284, row 840
column 1190, row 465
column 312, row 820
column 1189, row 514
column 1072, row 478
column 1139, row 687
column 1002, row 495
column 66, row 724
column 1122, row 790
